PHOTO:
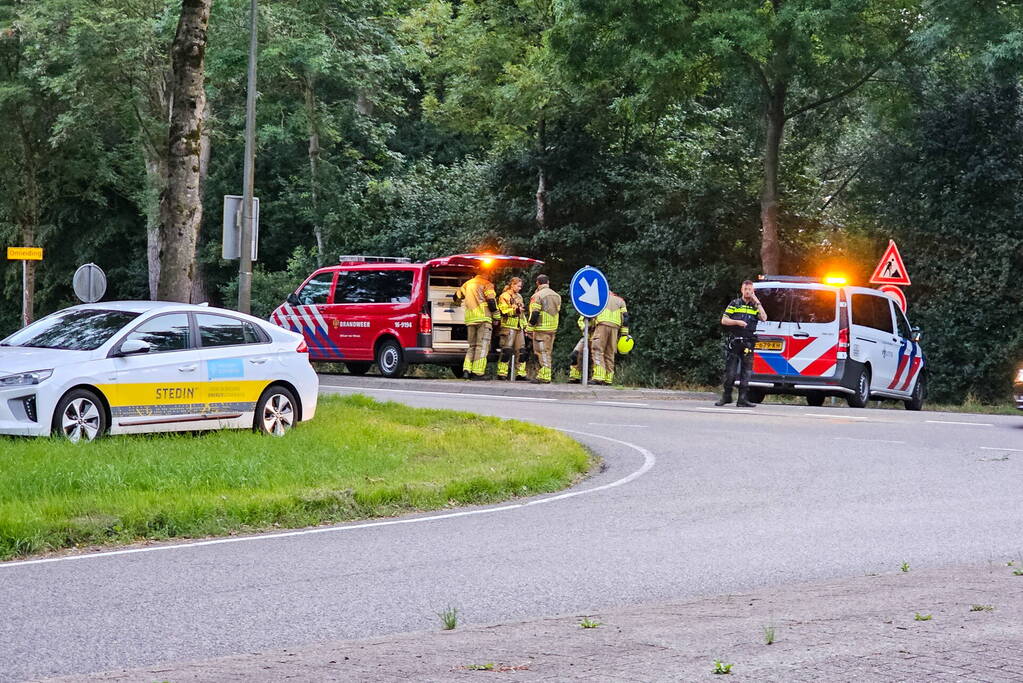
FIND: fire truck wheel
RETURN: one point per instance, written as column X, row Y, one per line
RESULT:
column 390, row 359
column 358, row 368
column 458, row 371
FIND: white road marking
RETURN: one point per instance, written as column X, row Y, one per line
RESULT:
column 949, row 422
column 360, row 390
column 727, row 410
column 609, row 424
column 1011, row 450
column 840, row 417
column 622, row 403
column 852, row 438
column 649, row 460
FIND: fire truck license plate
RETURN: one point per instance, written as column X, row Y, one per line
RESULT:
column 771, row 345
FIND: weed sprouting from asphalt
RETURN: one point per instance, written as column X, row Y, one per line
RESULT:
column 981, row 608
column 922, row 617
column 905, row 567
column 769, row 635
column 449, row 618
column 721, row 668
column 489, row 666
column 589, row 623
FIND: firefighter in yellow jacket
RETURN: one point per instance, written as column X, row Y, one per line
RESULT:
column 544, row 309
column 513, row 333
column 478, row 298
column 604, row 341
column 575, row 370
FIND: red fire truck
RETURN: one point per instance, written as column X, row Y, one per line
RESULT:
column 387, row 310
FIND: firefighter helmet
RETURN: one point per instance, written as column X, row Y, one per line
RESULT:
column 625, row 344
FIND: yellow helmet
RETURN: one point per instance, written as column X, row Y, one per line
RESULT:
column 625, row 344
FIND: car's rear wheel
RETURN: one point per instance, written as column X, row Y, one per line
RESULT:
column 358, row 368
column 80, row 416
column 815, row 399
column 391, row 359
column 916, row 399
column 862, row 395
column 276, row 411
column 755, row 395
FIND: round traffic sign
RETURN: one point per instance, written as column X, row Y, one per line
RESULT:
column 590, row 291
column 90, row 283
column 895, row 293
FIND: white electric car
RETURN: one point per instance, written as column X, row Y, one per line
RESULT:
column 131, row 367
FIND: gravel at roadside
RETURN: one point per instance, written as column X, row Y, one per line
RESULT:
column 953, row 624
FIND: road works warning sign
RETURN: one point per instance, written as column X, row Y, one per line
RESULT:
column 890, row 269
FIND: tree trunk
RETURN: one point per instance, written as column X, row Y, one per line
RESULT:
column 314, row 165
column 156, row 178
column 541, row 183
column 770, row 245
column 181, row 202
column 200, row 291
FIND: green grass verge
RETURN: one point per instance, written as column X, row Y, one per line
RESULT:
column 357, row 459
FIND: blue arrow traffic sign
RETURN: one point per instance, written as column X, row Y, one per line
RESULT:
column 590, row 291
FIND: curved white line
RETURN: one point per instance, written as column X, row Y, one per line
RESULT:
column 648, row 462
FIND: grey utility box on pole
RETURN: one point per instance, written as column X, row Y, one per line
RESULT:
column 232, row 227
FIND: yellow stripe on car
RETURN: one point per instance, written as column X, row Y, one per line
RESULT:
column 172, row 393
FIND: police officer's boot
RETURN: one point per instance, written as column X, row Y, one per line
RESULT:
column 725, row 399
column 743, row 403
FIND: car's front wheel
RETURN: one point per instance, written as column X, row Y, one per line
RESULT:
column 276, row 411
column 916, row 399
column 815, row 399
column 80, row 416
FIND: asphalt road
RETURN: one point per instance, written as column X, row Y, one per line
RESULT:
column 693, row 501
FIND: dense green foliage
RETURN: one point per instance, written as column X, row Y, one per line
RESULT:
column 122, row 489
column 627, row 136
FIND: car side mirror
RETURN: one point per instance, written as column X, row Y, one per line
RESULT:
column 133, row 347
column 915, row 334
column 294, row 300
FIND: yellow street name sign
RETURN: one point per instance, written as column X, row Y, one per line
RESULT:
column 24, row 253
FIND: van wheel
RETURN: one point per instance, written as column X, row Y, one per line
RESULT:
column 815, row 399
column 755, row 395
column 916, row 400
column 276, row 411
column 358, row 368
column 79, row 416
column 391, row 360
column 862, row 395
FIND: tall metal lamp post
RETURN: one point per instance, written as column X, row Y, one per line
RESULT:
column 248, row 211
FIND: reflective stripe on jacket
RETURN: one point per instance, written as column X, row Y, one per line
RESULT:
column 548, row 303
column 613, row 314
column 509, row 304
column 475, row 296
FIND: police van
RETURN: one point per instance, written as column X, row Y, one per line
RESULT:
column 388, row 310
column 829, row 339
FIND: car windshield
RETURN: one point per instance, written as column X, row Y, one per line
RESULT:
column 74, row 330
column 798, row 305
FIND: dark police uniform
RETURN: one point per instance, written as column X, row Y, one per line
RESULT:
column 739, row 348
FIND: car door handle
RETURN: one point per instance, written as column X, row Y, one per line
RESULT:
column 258, row 361
column 188, row 368
column 801, row 335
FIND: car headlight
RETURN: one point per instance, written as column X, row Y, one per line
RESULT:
column 23, row 378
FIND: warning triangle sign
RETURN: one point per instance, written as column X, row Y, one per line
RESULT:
column 890, row 269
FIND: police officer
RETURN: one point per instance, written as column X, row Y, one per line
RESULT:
column 740, row 320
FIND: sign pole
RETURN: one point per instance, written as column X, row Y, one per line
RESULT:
column 586, row 351
column 245, row 246
column 26, row 298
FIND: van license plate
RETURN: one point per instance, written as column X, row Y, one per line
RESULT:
column 770, row 345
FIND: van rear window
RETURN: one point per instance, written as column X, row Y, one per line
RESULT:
column 374, row 287
column 798, row 305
